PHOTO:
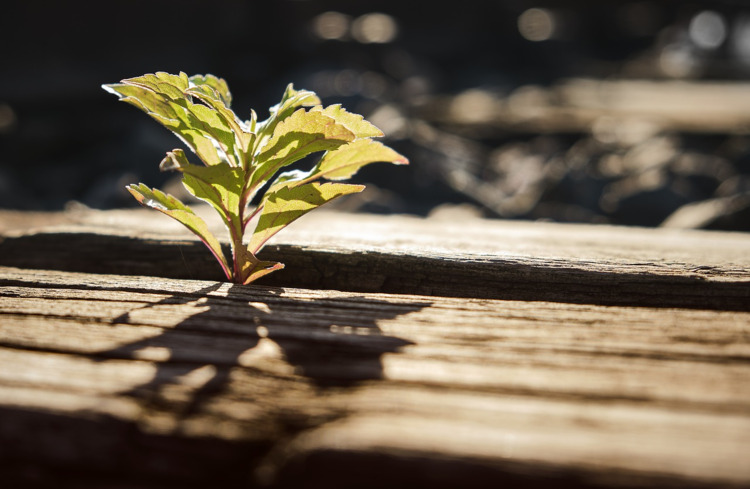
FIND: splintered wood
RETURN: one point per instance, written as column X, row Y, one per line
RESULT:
column 129, row 381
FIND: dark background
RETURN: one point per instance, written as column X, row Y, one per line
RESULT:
column 64, row 140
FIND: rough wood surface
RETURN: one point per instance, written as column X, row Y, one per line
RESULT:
column 123, row 381
column 399, row 254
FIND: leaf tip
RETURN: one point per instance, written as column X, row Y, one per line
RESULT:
column 261, row 269
column 174, row 160
column 136, row 190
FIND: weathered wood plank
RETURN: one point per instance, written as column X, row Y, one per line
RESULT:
column 577, row 105
column 399, row 254
column 140, row 380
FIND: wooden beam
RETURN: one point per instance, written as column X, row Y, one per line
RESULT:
column 120, row 381
column 580, row 105
column 398, row 254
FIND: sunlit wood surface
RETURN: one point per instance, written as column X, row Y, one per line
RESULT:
column 134, row 379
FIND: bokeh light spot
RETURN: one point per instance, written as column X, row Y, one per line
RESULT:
column 331, row 25
column 740, row 42
column 536, row 24
column 678, row 60
column 7, row 118
column 375, row 28
column 708, row 30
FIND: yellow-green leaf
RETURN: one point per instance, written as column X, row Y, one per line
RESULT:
column 287, row 204
column 169, row 205
column 219, row 185
column 244, row 138
column 249, row 268
column 163, row 97
column 260, row 269
column 299, row 135
column 243, row 156
column 290, row 102
column 219, row 85
column 354, row 122
column 348, row 159
column 171, row 86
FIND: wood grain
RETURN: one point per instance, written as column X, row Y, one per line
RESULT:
column 475, row 258
column 136, row 381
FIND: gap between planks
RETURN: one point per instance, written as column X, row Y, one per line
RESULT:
column 477, row 258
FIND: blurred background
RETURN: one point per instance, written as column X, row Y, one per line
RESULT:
column 621, row 112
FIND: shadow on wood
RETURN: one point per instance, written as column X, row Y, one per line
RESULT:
column 168, row 461
column 45, row 449
column 336, row 351
column 486, row 277
column 229, row 331
column 117, row 381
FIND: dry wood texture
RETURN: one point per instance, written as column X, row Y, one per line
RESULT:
column 138, row 380
column 502, row 354
column 405, row 255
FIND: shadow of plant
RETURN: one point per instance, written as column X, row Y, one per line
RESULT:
column 331, row 342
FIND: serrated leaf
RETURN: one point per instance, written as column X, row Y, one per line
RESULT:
column 172, row 86
column 218, row 185
column 163, row 97
column 209, row 122
column 288, row 179
column 219, row 85
column 169, row 205
column 287, row 204
column 290, row 102
column 354, row 122
column 241, row 157
column 244, row 138
column 348, row 159
column 171, row 115
column 301, row 134
column 154, row 104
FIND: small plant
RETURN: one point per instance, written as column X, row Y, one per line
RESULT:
column 241, row 157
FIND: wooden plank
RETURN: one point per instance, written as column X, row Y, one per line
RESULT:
column 120, row 381
column 579, row 105
column 400, row 254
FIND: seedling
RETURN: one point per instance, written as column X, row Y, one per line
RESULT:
column 240, row 158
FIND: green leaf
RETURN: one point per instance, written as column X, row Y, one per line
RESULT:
column 241, row 157
column 260, row 269
column 163, row 97
column 169, row 205
column 154, row 104
column 209, row 123
column 171, row 86
column 219, row 185
column 354, row 122
column 290, row 101
column 244, row 138
column 299, row 135
column 348, row 159
column 219, row 85
column 249, row 268
column 287, row 204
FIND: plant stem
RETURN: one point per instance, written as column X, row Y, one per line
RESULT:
column 236, row 236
